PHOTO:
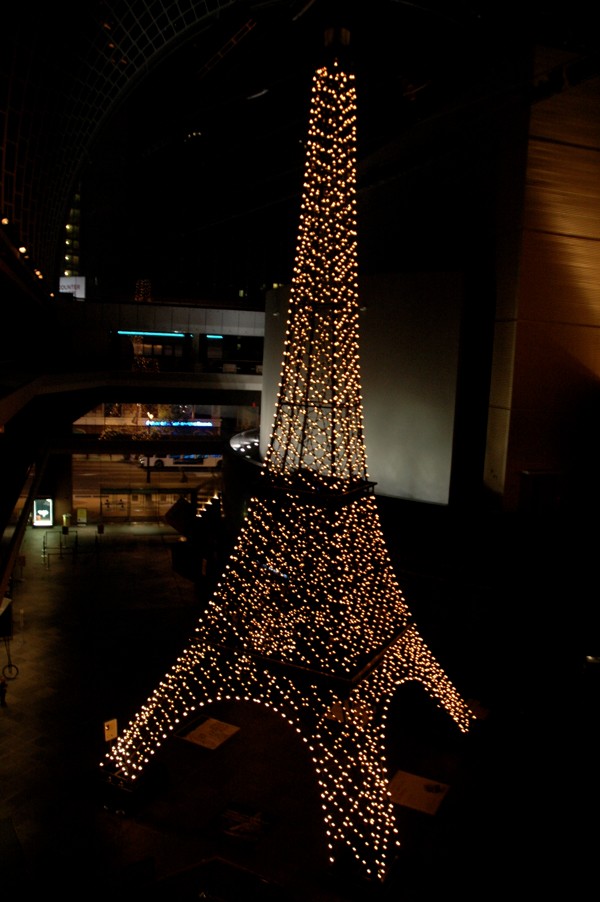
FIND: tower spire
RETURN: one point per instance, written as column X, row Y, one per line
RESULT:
column 317, row 435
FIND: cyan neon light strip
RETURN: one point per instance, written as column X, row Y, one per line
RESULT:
column 192, row 424
column 214, row 336
column 154, row 334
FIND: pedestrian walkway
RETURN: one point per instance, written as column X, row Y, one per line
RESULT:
column 95, row 618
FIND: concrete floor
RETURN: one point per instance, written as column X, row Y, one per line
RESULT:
column 97, row 621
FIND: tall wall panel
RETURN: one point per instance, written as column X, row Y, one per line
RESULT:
column 552, row 440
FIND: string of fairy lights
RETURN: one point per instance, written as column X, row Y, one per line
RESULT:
column 308, row 618
column 319, row 425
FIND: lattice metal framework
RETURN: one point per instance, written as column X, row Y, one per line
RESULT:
column 319, row 427
column 308, row 618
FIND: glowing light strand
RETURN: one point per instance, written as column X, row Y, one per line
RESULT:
column 308, row 618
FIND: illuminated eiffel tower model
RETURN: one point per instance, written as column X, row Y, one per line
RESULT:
column 308, row 618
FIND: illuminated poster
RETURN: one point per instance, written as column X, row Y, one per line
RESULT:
column 42, row 512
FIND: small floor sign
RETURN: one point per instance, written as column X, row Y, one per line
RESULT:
column 110, row 730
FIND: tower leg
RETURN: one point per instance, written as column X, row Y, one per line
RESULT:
column 410, row 659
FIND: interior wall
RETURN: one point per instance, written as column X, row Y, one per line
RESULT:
column 550, row 347
column 409, row 342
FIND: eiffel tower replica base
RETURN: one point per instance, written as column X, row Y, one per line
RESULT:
column 247, row 652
